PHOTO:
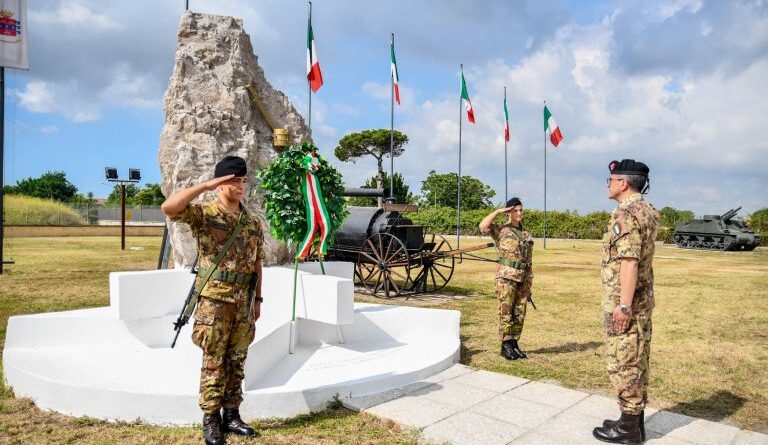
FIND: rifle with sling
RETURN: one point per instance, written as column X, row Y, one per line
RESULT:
column 194, row 293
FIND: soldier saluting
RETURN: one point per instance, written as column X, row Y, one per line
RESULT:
column 230, row 243
column 627, row 275
column 514, row 277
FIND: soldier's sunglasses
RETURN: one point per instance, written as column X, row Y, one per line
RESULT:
column 608, row 180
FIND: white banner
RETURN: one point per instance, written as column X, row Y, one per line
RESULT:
column 13, row 34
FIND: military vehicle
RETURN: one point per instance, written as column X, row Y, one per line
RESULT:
column 716, row 232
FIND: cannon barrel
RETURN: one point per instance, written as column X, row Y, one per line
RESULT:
column 730, row 214
column 363, row 192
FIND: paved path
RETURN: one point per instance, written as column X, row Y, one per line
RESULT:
column 466, row 406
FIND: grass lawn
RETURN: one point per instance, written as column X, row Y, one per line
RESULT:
column 55, row 274
column 709, row 353
column 708, row 356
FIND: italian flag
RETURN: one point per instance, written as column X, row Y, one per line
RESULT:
column 467, row 102
column 550, row 126
column 506, row 121
column 314, row 76
column 395, row 77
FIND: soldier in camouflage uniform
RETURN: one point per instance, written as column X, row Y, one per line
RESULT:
column 514, row 277
column 627, row 275
column 230, row 303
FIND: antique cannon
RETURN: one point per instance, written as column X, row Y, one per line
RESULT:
column 392, row 255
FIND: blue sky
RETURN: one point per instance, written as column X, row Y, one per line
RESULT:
column 677, row 84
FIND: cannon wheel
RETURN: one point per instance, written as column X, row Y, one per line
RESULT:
column 382, row 265
column 436, row 268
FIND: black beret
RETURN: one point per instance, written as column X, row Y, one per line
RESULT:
column 231, row 165
column 514, row 202
column 628, row 167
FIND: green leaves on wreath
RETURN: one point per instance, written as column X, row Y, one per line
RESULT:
column 283, row 201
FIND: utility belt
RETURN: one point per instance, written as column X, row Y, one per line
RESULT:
column 514, row 264
column 229, row 276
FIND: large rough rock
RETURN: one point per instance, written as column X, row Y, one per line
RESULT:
column 209, row 114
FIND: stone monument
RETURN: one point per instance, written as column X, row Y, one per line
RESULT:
column 210, row 113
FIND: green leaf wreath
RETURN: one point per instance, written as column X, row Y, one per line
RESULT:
column 283, row 200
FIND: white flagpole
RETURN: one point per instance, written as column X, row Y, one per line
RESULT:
column 392, row 128
column 458, row 204
column 506, row 123
column 545, row 181
column 309, row 85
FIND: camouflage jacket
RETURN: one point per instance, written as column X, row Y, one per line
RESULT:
column 514, row 245
column 631, row 234
column 211, row 223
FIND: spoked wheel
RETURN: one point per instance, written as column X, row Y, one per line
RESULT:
column 383, row 266
column 436, row 267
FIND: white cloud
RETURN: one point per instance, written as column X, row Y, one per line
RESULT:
column 669, row 9
column 50, row 129
column 73, row 14
column 37, row 97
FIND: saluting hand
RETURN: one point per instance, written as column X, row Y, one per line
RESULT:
column 215, row 182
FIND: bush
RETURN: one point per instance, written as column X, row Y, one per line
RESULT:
column 560, row 224
column 758, row 222
column 28, row 211
column 567, row 224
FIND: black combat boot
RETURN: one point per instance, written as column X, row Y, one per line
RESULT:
column 607, row 423
column 212, row 429
column 626, row 430
column 507, row 351
column 234, row 424
column 518, row 352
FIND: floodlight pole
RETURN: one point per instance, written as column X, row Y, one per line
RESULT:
column 122, row 216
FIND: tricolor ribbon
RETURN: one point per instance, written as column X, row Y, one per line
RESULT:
column 317, row 215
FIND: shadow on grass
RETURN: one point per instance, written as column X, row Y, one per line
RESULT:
column 716, row 407
column 467, row 353
column 568, row 347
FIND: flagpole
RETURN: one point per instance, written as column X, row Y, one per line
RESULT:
column 506, row 187
column 392, row 128
column 458, row 203
column 309, row 84
column 545, row 182
column 2, row 166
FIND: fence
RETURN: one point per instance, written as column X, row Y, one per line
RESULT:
column 24, row 211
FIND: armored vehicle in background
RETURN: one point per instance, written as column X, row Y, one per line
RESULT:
column 716, row 232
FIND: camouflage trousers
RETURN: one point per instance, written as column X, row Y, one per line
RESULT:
column 513, row 301
column 223, row 331
column 627, row 356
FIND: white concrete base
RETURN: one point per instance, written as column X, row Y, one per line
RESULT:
column 116, row 363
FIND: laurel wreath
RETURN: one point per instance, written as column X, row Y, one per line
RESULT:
column 283, row 201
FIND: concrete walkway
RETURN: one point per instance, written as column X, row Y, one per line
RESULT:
column 466, row 406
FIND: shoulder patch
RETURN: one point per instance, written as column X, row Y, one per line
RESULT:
column 616, row 229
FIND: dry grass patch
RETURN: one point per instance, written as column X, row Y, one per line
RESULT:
column 710, row 327
column 56, row 274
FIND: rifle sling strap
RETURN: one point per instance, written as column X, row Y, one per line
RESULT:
column 208, row 271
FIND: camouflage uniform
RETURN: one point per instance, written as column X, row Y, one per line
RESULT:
column 631, row 234
column 513, row 284
column 224, row 326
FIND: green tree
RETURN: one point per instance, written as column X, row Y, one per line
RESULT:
column 669, row 216
column 758, row 222
column 374, row 143
column 442, row 190
column 52, row 185
column 403, row 193
column 130, row 193
column 150, row 195
column 83, row 199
